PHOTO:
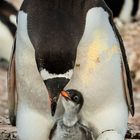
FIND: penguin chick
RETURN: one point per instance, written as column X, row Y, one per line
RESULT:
column 69, row 128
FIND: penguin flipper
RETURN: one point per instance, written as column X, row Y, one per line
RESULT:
column 125, row 72
column 12, row 89
column 88, row 134
column 127, row 89
column 52, row 131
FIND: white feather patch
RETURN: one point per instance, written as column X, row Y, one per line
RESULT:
column 46, row 75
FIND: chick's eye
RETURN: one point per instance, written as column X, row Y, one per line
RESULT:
column 76, row 98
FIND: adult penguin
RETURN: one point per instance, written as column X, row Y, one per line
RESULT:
column 101, row 73
column 43, row 58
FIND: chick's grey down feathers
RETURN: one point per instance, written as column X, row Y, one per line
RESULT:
column 69, row 126
column 76, row 132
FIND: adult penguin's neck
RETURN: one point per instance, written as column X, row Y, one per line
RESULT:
column 76, row 7
column 57, row 3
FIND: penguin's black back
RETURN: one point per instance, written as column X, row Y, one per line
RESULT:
column 55, row 28
column 55, row 32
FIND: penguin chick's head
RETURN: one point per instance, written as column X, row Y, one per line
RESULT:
column 72, row 100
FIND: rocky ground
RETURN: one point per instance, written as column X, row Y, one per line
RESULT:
column 131, row 37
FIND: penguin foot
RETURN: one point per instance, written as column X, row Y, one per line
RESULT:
column 110, row 135
column 4, row 64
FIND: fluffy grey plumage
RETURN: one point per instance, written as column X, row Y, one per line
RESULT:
column 69, row 127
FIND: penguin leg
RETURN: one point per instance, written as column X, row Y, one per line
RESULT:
column 110, row 135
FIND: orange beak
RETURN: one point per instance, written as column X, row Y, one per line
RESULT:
column 65, row 94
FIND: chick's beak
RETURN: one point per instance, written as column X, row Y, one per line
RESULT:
column 65, row 95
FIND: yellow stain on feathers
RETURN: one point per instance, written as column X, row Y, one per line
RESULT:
column 98, row 52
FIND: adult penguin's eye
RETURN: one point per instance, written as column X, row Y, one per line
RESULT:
column 76, row 98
